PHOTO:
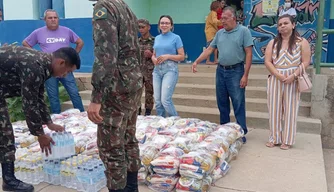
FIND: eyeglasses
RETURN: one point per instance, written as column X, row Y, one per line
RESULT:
column 164, row 23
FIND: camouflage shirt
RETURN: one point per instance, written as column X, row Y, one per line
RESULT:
column 23, row 72
column 117, row 54
column 146, row 44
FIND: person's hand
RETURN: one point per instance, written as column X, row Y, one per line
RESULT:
column 194, row 67
column 55, row 127
column 289, row 79
column 44, row 142
column 244, row 81
column 162, row 58
column 280, row 77
column 148, row 53
column 94, row 113
column 155, row 61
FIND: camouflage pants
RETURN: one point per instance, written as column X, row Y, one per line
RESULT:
column 148, row 83
column 116, row 138
column 7, row 142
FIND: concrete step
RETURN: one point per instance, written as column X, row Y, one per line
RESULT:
column 254, row 119
column 210, row 79
column 253, row 104
column 210, row 90
column 202, row 68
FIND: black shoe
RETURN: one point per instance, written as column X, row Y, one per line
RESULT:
column 118, row 190
column 132, row 182
column 148, row 112
column 139, row 111
column 9, row 181
column 244, row 140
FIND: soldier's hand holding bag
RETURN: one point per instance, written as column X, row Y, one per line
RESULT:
column 304, row 82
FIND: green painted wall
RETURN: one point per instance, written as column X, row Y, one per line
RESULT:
column 182, row 11
column 140, row 7
column 332, row 10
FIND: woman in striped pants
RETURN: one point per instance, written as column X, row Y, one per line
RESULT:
column 282, row 57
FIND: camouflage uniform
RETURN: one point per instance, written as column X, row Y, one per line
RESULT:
column 117, row 84
column 147, row 67
column 23, row 72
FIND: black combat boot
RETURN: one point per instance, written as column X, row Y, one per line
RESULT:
column 132, row 182
column 9, row 181
column 139, row 111
column 148, row 112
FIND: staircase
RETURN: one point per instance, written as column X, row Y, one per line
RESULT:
column 195, row 97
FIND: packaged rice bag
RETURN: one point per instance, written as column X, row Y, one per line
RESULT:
column 160, row 183
column 217, row 139
column 165, row 165
column 220, row 171
column 172, row 151
column 199, row 158
column 192, row 171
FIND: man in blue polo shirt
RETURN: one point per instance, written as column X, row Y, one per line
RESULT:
column 234, row 44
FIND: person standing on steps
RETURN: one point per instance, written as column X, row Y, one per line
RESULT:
column 168, row 50
column 117, row 89
column 283, row 56
column 146, row 42
column 50, row 38
column 233, row 68
column 23, row 72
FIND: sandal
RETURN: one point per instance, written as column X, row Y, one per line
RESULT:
column 285, row 147
column 270, row 144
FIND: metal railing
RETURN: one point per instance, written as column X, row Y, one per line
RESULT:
column 320, row 32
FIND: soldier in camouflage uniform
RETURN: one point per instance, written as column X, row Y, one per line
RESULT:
column 117, row 88
column 23, row 72
column 146, row 42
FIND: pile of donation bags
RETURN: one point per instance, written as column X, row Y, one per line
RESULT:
column 177, row 154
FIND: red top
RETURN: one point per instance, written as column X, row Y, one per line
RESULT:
column 219, row 16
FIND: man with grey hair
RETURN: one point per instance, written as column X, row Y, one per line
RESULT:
column 50, row 38
column 234, row 44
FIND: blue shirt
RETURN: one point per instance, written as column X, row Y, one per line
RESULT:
column 231, row 45
column 167, row 43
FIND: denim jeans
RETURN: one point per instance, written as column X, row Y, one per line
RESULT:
column 71, row 88
column 165, row 77
column 228, row 86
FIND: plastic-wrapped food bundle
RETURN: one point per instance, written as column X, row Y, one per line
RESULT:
column 172, row 151
column 220, row 171
column 234, row 150
column 197, row 164
column 237, row 127
column 172, row 131
column 159, row 141
column 196, row 134
column 162, row 183
column 148, row 153
column 166, row 165
column 186, row 184
column 180, row 142
column 142, row 174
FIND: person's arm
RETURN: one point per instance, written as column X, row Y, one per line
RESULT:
column 105, row 35
column 79, row 42
column 214, row 19
column 154, row 58
column 74, row 38
column 306, row 55
column 31, row 83
column 31, row 40
column 248, row 47
column 268, row 59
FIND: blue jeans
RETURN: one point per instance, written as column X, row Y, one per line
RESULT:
column 228, row 86
column 71, row 88
column 165, row 77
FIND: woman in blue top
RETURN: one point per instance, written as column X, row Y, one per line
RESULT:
column 167, row 51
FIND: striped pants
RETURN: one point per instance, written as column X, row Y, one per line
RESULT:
column 283, row 102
